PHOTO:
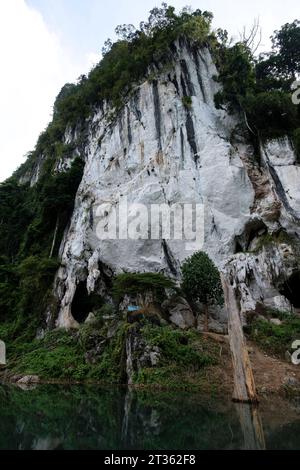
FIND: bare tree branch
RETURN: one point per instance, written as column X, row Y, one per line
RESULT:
column 253, row 38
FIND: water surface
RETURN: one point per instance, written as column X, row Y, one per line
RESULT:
column 81, row 417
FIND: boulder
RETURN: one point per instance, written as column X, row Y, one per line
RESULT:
column 276, row 321
column 213, row 326
column 91, row 318
column 154, row 356
column 29, row 379
column 292, row 382
column 40, row 334
column 180, row 313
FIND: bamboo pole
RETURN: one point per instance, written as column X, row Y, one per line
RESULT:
column 244, row 385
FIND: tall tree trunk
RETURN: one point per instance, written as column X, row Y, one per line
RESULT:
column 244, row 386
column 54, row 237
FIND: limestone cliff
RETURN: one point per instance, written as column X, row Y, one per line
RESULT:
column 162, row 148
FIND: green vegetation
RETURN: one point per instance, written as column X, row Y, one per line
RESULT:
column 33, row 221
column 61, row 355
column 105, row 310
column 140, row 283
column 187, row 102
column 275, row 339
column 184, row 359
column 126, row 61
column 176, row 345
column 280, row 67
column 55, row 357
column 272, row 113
column 237, row 75
column 277, row 238
column 201, row 280
column 260, row 88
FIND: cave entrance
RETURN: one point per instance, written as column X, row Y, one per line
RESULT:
column 253, row 232
column 291, row 289
column 83, row 303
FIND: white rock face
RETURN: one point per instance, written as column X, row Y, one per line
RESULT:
column 254, row 276
column 160, row 151
column 281, row 157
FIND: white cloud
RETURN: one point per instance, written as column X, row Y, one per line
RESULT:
column 34, row 66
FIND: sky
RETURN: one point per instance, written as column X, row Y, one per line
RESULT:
column 47, row 43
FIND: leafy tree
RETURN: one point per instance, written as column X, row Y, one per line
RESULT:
column 126, row 32
column 201, row 281
column 271, row 113
column 32, row 219
column 36, row 276
column 286, row 47
column 236, row 75
column 15, row 215
column 280, row 67
column 259, row 89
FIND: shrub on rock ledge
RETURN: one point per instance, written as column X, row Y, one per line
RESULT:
column 133, row 284
column 201, row 281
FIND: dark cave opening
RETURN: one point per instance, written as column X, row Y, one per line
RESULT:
column 291, row 289
column 83, row 303
column 254, row 230
column 238, row 247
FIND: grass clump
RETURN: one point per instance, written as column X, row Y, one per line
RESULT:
column 275, row 339
column 62, row 355
column 57, row 356
column 185, row 358
column 187, row 102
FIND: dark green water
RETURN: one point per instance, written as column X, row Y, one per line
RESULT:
column 79, row 417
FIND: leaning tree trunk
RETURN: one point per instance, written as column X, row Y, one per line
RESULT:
column 244, row 386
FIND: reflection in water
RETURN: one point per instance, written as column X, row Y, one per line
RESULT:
column 47, row 443
column 252, row 427
column 78, row 417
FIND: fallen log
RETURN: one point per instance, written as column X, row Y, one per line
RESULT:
column 244, row 385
